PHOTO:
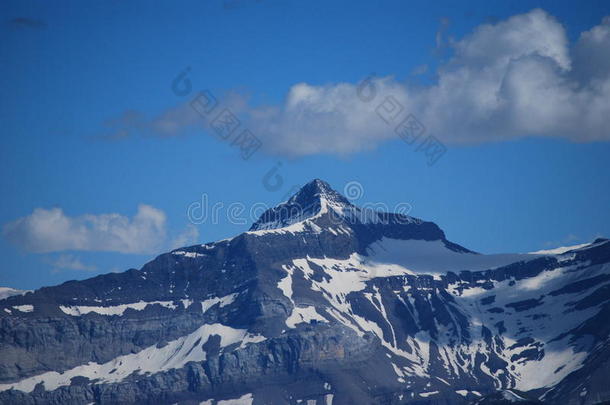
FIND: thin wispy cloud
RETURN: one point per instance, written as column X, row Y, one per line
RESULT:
column 171, row 122
column 23, row 22
column 188, row 236
column 440, row 33
column 70, row 262
column 420, row 70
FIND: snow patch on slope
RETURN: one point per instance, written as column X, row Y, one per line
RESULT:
column 304, row 315
column 153, row 359
column 222, row 301
column 243, row 400
column 24, row 308
column 511, row 396
column 78, row 310
column 559, row 250
column 191, row 255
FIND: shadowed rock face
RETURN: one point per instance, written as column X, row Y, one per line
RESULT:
column 319, row 301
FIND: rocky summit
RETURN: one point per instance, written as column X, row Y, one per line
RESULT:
column 320, row 302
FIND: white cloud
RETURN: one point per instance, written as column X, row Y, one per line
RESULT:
column 51, row 230
column 70, row 262
column 495, row 45
column 514, row 78
column 592, row 52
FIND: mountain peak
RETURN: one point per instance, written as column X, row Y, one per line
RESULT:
column 318, row 199
column 318, row 183
column 311, row 199
column 315, row 190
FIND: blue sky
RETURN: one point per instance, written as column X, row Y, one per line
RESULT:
column 100, row 159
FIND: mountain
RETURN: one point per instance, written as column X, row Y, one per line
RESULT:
column 320, row 302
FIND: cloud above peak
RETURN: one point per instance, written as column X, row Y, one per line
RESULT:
column 518, row 77
column 505, row 80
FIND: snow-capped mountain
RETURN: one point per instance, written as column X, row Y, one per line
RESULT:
column 320, row 302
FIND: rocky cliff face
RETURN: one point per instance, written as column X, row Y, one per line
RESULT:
column 320, row 302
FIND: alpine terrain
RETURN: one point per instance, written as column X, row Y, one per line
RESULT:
column 320, row 302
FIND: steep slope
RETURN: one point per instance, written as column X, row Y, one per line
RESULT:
column 319, row 301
